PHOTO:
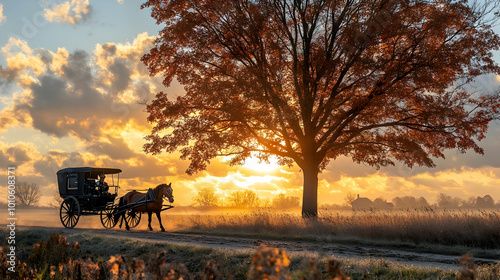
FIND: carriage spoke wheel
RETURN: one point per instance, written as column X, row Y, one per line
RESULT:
column 108, row 216
column 69, row 212
column 133, row 218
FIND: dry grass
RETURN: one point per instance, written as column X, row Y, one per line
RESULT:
column 472, row 229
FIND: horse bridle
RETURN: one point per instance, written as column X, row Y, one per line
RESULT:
column 170, row 192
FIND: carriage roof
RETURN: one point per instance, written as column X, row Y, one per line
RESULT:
column 71, row 180
column 94, row 171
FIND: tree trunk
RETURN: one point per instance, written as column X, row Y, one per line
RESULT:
column 310, row 195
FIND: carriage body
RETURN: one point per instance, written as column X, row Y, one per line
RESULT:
column 82, row 194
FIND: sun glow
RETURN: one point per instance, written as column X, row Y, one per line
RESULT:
column 255, row 165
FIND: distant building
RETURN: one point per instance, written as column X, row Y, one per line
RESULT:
column 382, row 204
column 363, row 203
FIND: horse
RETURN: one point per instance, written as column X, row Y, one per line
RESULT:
column 154, row 206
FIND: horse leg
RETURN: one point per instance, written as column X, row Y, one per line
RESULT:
column 126, row 222
column 117, row 217
column 158, row 215
column 149, row 220
column 122, row 218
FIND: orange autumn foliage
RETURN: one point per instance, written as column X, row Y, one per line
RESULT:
column 379, row 81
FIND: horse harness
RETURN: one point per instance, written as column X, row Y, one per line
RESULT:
column 150, row 196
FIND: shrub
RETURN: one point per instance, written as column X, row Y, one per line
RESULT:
column 54, row 251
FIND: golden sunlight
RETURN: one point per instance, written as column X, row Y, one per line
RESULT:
column 255, row 164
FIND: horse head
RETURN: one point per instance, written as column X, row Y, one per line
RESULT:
column 168, row 192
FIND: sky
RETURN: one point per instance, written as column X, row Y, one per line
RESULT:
column 71, row 84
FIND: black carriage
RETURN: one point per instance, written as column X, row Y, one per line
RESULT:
column 84, row 194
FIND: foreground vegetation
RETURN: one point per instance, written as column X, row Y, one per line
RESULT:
column 464, row 228
column 82, row 256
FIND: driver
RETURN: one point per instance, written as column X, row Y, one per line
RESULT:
column 103, row 186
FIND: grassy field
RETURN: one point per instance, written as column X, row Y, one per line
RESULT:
column 468, row 229
column 94, row 257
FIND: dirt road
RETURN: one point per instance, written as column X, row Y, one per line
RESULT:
column 329, row 249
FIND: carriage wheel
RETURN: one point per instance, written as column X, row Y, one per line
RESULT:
column 133, row 218
column 69, row 212
column 108, row 216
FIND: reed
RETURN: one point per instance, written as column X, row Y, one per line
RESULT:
column 467, row 228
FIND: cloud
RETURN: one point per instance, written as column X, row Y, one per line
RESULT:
column 3, row 18
column 90, row 97
column 128, row 53
column 21, row 156
column 114, row 147
column 21, row 60
column 24, row 64
column 7, row 76
column 10, row 116
column 68, row 12
column 18, row 154
column 79, row 93
column 48, row 164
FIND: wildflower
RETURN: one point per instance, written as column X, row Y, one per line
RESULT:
column 467, row 268
column 269, row 263
column 334, row 272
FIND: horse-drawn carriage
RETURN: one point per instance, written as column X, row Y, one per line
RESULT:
column 85, row 192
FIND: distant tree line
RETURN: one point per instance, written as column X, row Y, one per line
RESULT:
column 446, row 202
column 207, row 197
column 410, row 202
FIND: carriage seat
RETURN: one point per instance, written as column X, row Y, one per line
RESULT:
column 91, row 188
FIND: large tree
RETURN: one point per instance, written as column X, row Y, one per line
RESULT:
column 379, row 81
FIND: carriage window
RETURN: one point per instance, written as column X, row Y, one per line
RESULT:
column 72, row 181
